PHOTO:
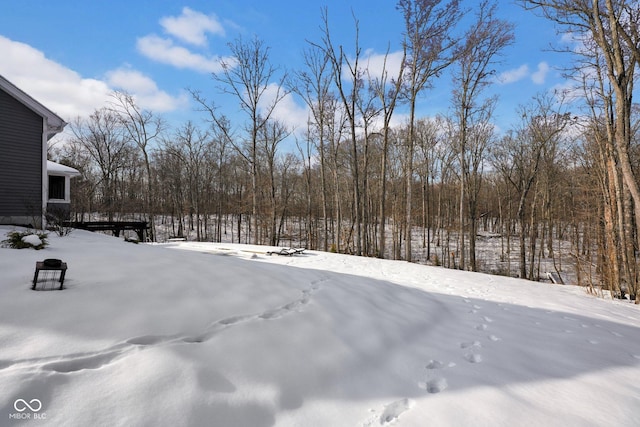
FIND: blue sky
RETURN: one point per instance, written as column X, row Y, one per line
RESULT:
column 70, row 54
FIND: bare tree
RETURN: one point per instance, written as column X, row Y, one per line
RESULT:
column 613, row 27
column 102, row 136
column 220, row 157
column 616, row 245
column 172, row 189
column 143, row 127
column 248, row 78
column 368, row 110
column 344, row 68
column 190, row 146
column 484, row 41
column 519, row 154
column 337, row 130
column 430, row 48
column 272, row 134
column 387, row 89
column 314, row 86
column 429, row 142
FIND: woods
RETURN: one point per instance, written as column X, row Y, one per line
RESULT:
column 556, row 192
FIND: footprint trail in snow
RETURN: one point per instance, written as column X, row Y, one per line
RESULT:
column 94, row 360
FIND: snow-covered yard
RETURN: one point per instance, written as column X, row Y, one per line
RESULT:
column 204, row 334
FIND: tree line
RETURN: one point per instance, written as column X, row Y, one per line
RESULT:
column 425, row 190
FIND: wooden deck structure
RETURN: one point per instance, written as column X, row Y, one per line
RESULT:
column 117, row 227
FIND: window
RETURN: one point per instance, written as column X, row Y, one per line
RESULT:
column 56, row 187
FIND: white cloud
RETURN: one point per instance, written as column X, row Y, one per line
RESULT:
column 165, row 51
column 375, row 63
column 131, row 80
column 60, row 89
column 66, row 92
column 372, row 63
column 287, row 111
column 295, row 115
column 569, row 38
column 192, row 26
column 539, row 76
column 569, row 91
column 144, row 90
column 398, row 120
column 514, row 75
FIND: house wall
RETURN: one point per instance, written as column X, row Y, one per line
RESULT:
column 21, row 162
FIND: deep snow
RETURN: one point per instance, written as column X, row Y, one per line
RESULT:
column 224, row 335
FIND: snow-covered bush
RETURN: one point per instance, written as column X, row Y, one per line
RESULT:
column 25, row 239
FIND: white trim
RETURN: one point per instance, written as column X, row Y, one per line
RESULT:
column 67, row 189
column 45, row 176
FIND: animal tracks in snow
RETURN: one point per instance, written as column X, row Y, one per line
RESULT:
column 147, row 340
column 472, row 348
column 435, row 364
column 390, row 413
column 90, row 362
column 393, row 410
column 70, row 363
column 271, row 314
column 436, row 385
column 470, row 344
column 596, row 331
column 435, row 382
column 473, row 357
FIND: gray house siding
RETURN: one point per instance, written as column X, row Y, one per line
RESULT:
column 21, row 157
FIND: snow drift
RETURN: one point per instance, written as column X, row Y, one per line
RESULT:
column 204, row 334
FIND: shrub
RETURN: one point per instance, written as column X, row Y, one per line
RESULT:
column 57, row 221
column 21, row 240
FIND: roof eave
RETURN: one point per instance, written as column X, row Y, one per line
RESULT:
column 54, row 129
